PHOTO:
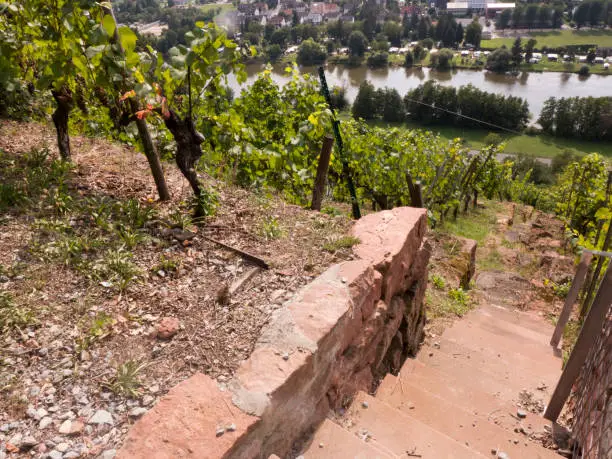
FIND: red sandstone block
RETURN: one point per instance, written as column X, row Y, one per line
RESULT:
column 390, row 240
column 184, row 424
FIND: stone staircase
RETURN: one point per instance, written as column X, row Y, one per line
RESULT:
column 475, row 392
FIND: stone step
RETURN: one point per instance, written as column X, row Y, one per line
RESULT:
column 527, row 319
column 476, row 337
column 495, row 358
column 476, row 392
column 450, row 359
column 457, row 422
column 491, row 321
column 402, row 433
column 333, row 442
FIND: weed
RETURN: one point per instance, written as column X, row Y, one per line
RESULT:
column 339, row 243
column 168, row 265
column 13, row 316
column 179, row 219
column 52, row 226
column 11, row 196
column 36, row 159
column 60, row 202
column 561, row 290
column 331, row 210
column 270, row 228
column 100, row 328
column 492, row 261
column 570, row 336
column 117, row 267
column 135, row 214
column 206, row 203
column 70, row 249
column 438, row 281
column 130, row 237
column 99, row 210
column 127, row 380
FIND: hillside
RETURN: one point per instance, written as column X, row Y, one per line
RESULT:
column 96, row 278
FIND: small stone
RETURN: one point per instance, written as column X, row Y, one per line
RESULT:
column 33, row 413
column 168, row 327
column 321, row 445
column 521, row 414
column 71, row 455
column 231, row 428
column 108, row 454
column 154, row 389
column 516, row 442
column 147, row 400
column 45, row 422
column 365, row 404
column 220, row 431
column 502, row 455
column 71, row 427
column 285, row 356
column 62, row 447
column 101, row 417
column 55, row 455
column 137, row 412
column 28, row 442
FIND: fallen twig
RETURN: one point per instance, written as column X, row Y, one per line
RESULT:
column 247, row 256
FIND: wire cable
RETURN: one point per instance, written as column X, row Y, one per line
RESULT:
column 464, row 116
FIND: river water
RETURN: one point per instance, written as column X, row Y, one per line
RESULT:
column 534, row 87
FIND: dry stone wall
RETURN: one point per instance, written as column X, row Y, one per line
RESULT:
column 339, row 334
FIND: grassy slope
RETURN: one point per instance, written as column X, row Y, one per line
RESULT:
column 542, row 145
column 558, row 38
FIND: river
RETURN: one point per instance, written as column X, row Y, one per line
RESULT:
column 532, row 86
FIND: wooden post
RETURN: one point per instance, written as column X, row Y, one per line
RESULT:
column 572, row 295
column 593, row 283
column 415, row 190
column 588, row 334
column 319, row 186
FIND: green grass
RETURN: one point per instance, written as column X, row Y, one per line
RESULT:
column 477, row 225
column 541, row 145
column 223, row 7
column 558, row 38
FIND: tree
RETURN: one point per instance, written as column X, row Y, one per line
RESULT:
column 591, row 55
column 424, row 28
column 516, row 51
column 408, row 59
column 473, row 33
column 427, row 43
column 391, row 107
column 357, row 43
column 596, row 9
column 544, row 15
column 517, row 15
column 442, row 60
column 493, row 139
column 530, row 15
column 311, row 53
column 529, row 49
column 295, row 19
column 581, row 15
column 459, row 34
column 379, row 59
column 499, row 60
column 393, row 31
column 274, row 52
column 547, row 115
column 557, row 17
column 365, row 103
column 503, row 20
column 419, row 53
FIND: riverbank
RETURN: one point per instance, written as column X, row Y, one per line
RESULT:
column 469, row 63
column 538, row 145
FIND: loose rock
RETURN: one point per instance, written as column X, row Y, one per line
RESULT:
column 168, row 327
column 101, row 417
column 108, row 454
column 137, row 412
column 521, row 414
column 71, row 427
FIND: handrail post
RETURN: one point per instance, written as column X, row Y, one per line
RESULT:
column 572, row 295
column 588, row 334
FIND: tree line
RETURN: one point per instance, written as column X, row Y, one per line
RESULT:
column 588, row 118
column 432, row 103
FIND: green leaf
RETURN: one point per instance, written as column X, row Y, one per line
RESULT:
column 128, row 38
column 109, row 25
